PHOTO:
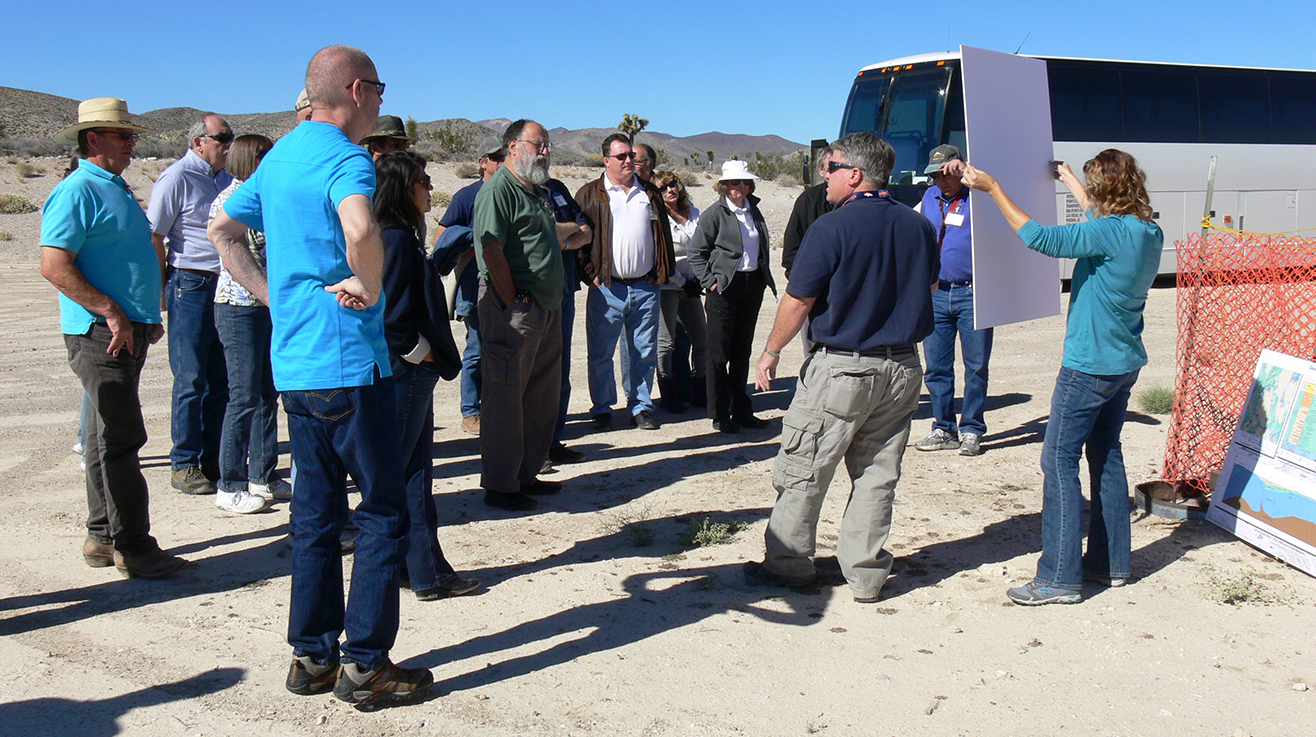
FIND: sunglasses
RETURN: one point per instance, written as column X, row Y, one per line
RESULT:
column 670, row 185
column 835, row 166
column 121, row 135
column 622, row 157
column 222, row 137
column 378, row 85
column 736, row 182
column 425, row 181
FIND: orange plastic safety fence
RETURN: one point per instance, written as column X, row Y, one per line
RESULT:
column 1238, row 294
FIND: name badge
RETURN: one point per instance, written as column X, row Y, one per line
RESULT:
column 559, row 199
column 955, row 219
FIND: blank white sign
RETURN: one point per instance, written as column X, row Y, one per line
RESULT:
column 1007, row 114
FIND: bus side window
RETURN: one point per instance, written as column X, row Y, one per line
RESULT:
column 1085, row 102
column 1235, row 107
column 1160, row 106
column 1293, row 108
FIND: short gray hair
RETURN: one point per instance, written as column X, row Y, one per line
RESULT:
column 198, row 127
column 823, row 153
column 870, row 154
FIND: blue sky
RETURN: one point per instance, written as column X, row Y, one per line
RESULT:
column 756, row 68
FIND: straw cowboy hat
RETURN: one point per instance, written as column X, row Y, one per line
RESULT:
column 98, row 112
column 736, row 169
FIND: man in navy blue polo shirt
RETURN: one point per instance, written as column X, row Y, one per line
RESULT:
column 862, row 277
column 946, row 206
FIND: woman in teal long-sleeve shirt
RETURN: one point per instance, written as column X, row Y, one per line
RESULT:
column 1118, row 250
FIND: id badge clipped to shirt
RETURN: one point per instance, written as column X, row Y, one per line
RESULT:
column 955, row 219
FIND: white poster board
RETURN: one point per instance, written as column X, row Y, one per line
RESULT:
column 1007, row 115
column 1266, row 494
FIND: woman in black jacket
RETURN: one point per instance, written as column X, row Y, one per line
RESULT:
column 422, row 351
column 729, row 256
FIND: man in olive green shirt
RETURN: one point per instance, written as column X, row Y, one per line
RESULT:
column 520, row 306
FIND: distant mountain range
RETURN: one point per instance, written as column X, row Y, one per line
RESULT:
column 37, row 116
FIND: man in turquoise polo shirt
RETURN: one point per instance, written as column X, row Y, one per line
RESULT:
column 324, row 257
column 520, row 303
column 96, row 249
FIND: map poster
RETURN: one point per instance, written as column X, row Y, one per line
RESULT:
column 1266, row 494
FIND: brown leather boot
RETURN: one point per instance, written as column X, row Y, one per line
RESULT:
column 154, row 564
column 97, row 554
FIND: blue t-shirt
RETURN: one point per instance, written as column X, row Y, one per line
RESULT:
column 293, row 198
column 1118, row 258
column 93, row 214
column 461, row 211
column 957, row 244
column 870, row 264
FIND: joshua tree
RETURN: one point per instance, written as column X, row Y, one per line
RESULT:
column 631, row 124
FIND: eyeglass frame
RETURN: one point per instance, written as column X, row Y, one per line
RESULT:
column 379, row 86
column 121, row 135
column 221, row 137
column 545, row 146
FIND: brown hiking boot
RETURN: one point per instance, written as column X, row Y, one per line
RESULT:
column 386, row 685
column 97, row 554
column 155, row 564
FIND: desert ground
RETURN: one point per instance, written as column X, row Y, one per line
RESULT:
column 579, row 630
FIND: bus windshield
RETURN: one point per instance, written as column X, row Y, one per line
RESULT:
column 906, row 108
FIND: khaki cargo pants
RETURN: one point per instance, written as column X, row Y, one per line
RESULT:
column 852, row 408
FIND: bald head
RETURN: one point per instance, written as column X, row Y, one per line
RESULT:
column 332, row 70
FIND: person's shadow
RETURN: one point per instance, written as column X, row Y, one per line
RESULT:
column 53, row 716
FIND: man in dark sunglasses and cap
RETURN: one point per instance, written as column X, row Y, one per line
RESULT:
column 179, row 213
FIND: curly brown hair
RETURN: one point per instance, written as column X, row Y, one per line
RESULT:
column 1116, row 186
column 661, row 179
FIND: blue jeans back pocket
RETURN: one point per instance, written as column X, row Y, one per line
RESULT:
column 329, row 405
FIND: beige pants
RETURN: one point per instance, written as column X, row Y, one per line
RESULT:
column 851, row 408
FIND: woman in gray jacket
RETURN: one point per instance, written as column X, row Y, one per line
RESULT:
column 729, row 257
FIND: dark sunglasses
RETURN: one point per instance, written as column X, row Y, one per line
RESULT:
column 378, row 85
column 835, row 166
column 221, row 137
column 627, row 155
column 736, row 182
column 670, row 185
column 121, row 135
column 425, row 180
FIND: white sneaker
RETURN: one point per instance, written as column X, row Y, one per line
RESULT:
column 277, row 490
column 240, row 502
column 77, row 447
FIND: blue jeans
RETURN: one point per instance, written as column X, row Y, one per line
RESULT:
column 952, row 312
column 249, row 443
column 568, row 320
column 197, row 359
column 413, row 385
column 610, row 310
column 1087, row 412
column 336, row 432
column 470, row 377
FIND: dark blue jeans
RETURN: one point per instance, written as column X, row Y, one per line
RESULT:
column 568, row 320
column 249, row 443
column 1087, row 412
column 336, row 432
column 413, row 385
column 952, row 312
column 197, row 359
column 471, row 381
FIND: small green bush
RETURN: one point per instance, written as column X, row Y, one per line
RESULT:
column 706, row 532
column 6, row 235
column 440, row 199
column 12, row 204
column 467, row 170
column 1156, row 400
column 24, row 170
column 595, row 160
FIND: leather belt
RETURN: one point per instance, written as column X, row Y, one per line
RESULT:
column 888, row 352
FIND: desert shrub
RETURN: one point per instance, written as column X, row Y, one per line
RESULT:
column 706, row 532
column 467, row 170
column 1156, row 400
column 595, row 160
column 12, row 204
column 1244, row 588
column 635, row 527
column 24, row 170
column 6, row 235
column 451, row 140
column 440, row 199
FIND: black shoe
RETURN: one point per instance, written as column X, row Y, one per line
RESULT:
column 644, row 420
column 560, row 453
column 454, row 586
column 386, row 685
column 510, row 502
column 750, row 422
column 542, row 487
column 308, row 678
column 725, row 426
column 602, row 421
column 757, row 575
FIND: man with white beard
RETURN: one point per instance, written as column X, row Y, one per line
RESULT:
column 520, row 308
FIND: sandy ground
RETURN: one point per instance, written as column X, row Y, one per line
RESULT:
column 578, row 631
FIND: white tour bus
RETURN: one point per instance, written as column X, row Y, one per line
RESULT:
column 1259, row 123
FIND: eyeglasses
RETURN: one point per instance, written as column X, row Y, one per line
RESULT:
column 378, row 85
column 121, row 135
column 670, row 185
column 736, row 182
column 623, row 157
column 425, row 181
column 221, row 138
column 538, row 145
column 495, row 158
column 835, row 166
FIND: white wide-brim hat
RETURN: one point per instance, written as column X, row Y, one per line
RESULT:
column 736, row 169
column 98, row 112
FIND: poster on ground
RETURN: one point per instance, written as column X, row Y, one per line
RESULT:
column 1266, row 494
column 1007, row 116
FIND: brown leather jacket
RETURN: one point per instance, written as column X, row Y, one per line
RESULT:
column 595, row 257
